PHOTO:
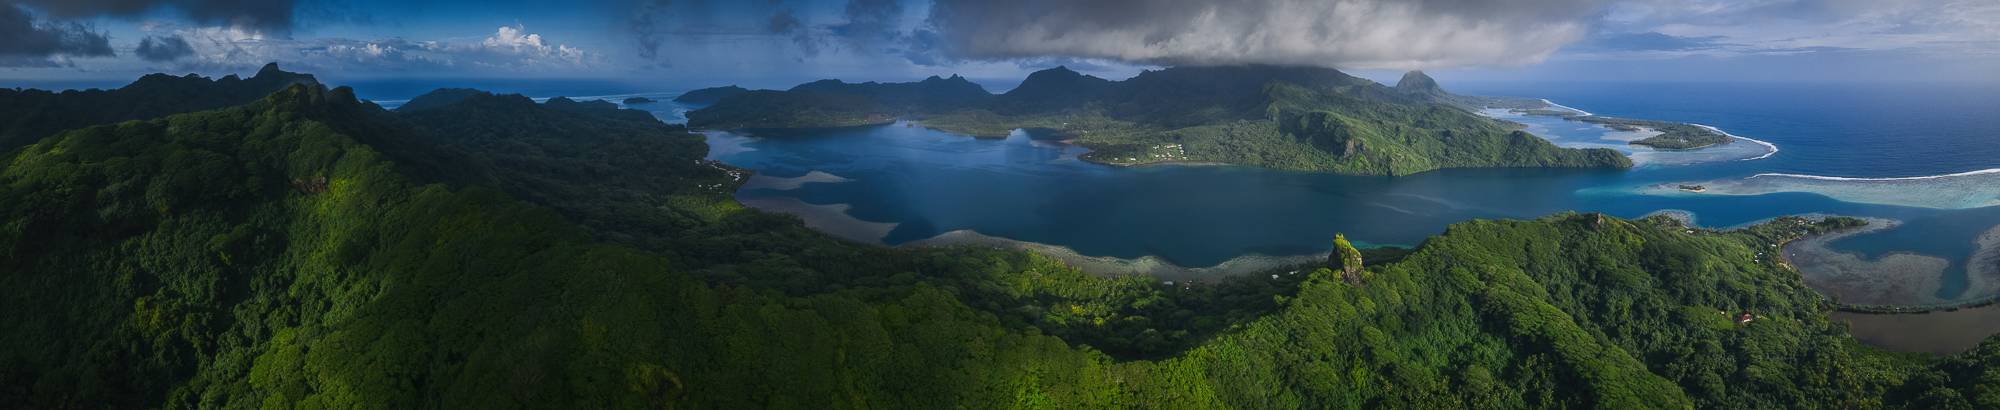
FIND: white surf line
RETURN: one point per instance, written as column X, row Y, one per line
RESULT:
column 1773, row 147
column 1827, row 178
column 1553, row 104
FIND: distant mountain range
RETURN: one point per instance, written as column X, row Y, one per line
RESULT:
column 1300, row 118
column 29, row 115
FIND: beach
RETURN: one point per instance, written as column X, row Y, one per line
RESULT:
column 761, row 181
column 831, row 219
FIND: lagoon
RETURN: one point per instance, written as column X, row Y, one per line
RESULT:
column 902, row 183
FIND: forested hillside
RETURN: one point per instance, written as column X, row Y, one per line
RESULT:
column 28, row 115
column 289, row 253
column 1299, row 118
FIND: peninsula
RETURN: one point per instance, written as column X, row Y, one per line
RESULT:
column 1671, row 135
column 1295, row 118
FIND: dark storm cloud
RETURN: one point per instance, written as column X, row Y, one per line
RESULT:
column 875, row 25
column 167, row 48
column 870, row 21
column 1352, row 33
column 783, row 22
column 25, row 41
column 645, row 25
column 267, row 15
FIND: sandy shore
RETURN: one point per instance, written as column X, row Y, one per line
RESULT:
column 834, row 220
column 1893, row 279
column 1983, row 269
column 1109, row 266
column 760, row 181
column 1965, row 190
column 831, row 219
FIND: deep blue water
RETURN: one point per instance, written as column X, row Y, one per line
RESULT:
column 928, row 182
column 1855, row 130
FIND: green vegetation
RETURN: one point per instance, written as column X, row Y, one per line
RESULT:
column 439, row 98
column 780, row 109
column 1673, row 135
column 297, row 252
column 1279, row 117
column 29, row 115
column 709, row 95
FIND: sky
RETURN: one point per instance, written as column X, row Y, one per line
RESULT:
column 775, row 43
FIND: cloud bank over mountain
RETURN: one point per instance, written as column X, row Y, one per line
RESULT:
column 892, row 39
column 1335, row 33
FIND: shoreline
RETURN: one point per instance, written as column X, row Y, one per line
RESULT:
column 1943, row 331
column 1915, row 178
column 1767, row 145
column 1984, row 265
column 832, row 220
column 1962, row 190
column 761, row 181
column 1895, row 279
column 1580, row 112
column 1106, row 266
column 1769, row 148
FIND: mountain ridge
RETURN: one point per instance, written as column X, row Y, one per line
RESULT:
column 29, row 115
column 1231, row 114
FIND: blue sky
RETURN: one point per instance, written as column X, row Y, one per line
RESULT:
column 772, row 43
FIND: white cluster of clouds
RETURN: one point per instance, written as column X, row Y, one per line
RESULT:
column 508, row 49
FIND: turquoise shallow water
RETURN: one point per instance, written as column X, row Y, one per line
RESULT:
column 925, row 182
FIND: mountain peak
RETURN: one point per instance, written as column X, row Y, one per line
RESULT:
column 313, row 98
column 441, row 97
column 1416, row 82
column 1057, row 72
column 710, row 95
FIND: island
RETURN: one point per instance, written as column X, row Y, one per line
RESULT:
column 709, row 95
column 1284, row 117
column 638, row 100
column 1672, row 135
